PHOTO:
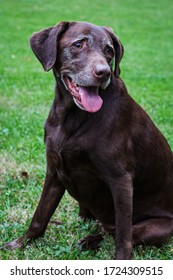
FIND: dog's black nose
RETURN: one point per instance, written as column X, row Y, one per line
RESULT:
column 101, row 72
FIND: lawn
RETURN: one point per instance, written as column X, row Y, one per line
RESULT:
column 26, row 94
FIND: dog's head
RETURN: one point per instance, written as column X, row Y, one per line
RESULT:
column 82, row 55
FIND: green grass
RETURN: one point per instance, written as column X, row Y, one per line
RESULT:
column 26, row 93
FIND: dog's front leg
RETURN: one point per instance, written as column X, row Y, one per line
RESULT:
column 122, row 193
column 50, row 198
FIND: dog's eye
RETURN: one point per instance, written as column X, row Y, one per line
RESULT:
column 109, row 50
column 78, row 44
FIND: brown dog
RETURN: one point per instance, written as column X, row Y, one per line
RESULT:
column 101, row 146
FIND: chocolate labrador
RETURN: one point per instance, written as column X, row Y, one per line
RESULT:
column 101, row 145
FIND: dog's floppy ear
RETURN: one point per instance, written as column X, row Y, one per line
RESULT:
column 44, row 44
column 119, row 50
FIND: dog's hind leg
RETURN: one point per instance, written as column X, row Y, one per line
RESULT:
column 90, row 242
column 154, row 231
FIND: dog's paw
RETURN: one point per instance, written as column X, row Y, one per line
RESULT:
column 18, row 243
column 90, row 242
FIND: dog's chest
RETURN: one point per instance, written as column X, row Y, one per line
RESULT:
column 77, row 172
column 79, row 165
column 75, row 165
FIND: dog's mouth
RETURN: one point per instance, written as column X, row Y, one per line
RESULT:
column 86, row 97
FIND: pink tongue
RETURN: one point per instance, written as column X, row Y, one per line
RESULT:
column 90, row 99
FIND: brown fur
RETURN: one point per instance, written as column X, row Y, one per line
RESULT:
column 112, row 160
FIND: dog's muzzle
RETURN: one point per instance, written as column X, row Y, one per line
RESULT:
column 85, row 97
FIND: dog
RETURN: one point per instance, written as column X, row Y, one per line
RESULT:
column 101, row 146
